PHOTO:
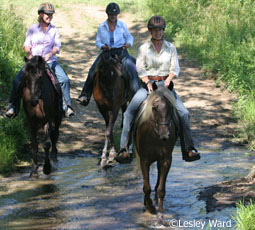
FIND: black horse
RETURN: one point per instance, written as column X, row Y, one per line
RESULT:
column 155, row 137
column 111, row 92
column 42, row 104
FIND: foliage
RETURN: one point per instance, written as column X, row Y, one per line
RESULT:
column 13, row 136
column 12, row 133
column 12, row 36
column 245, row 216
column 220, row 35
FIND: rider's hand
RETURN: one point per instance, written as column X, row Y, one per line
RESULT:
column 149, row 86
column 106, row 47
column 47, row 56
column 168, row 80
column 125, row 46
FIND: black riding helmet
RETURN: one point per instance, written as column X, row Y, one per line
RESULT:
column 112, row 8
column 46, row 8
column 156, row 22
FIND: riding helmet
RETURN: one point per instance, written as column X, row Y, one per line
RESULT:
column 46, row 8
column 112, row 8
column 156, row 22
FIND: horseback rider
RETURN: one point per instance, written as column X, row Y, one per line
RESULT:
column 157, row 61
column 112, row 34
column 42, row 39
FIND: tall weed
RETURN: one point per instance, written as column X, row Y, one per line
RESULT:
column 12, row 35
column 13, row 135
column 245, row 216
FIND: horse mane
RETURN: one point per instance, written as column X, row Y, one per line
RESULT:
column 107, row 63
column 145, row 110
column 36, row 62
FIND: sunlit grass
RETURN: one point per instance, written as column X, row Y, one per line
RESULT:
column 245, row 216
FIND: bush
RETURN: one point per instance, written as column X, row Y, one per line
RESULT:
column 245, row 216
column 13, row 135
column 12, row 35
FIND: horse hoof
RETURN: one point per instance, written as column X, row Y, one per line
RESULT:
column 34, row 174
column 160, row 220
column 46, row 170
column 111, row 162
column 103, row 162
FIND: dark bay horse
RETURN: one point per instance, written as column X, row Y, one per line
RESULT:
column 43, row 108
column 111, row 92
column 155, row 137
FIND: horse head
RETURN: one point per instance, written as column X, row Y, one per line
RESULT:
column 110, row 65
column 162, row 107
column 33, row 77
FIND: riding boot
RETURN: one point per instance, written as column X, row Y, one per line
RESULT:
column 124, row 157
column 87, row 89
column 187, row 147
column 15, row 97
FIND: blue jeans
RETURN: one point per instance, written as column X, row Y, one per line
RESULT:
column 133, row 108
column 128, row 66
column 63, row 79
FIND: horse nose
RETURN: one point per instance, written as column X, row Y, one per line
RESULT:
column 164, row 136
column 34, row 102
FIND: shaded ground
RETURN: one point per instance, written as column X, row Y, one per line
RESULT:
column 226, row 194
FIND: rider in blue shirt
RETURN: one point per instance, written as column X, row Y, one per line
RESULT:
column 112, row 33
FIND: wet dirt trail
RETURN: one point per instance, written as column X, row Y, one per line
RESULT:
column 78, row 195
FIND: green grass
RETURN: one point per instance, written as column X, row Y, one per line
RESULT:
column 245, row 216
column 12, row 132
column 13, row 136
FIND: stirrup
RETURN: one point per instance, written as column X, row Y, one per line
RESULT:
column 124, row 157
column 193, row 158
column 10, row 113
column 83, row 100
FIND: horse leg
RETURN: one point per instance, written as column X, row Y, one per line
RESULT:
column 157, row 184
column 46, row 146
column 105, row 114
column 54, row 138
column 145, row 167
column 112, row 121
column 164, row 166
column 34, row 145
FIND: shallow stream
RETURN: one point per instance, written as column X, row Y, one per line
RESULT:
column 78, row 195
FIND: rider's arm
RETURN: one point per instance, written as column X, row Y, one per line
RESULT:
column 102, row 36
column 128, row 37
column 174, row 65
column 28, row 52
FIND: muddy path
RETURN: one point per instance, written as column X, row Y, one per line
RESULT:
column 78, row 195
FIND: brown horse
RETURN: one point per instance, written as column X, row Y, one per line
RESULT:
column 111, row 92
column 42, row 105
column 155, row 137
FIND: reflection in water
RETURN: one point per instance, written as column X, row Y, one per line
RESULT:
column 81, row 196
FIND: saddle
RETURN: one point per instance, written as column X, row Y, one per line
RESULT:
column 54, row 80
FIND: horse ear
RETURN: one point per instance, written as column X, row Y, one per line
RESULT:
column 154, row 86
column 171, row 86
column 25, row 59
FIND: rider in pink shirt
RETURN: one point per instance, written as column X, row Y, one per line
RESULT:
column 42, row 39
